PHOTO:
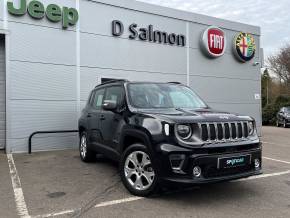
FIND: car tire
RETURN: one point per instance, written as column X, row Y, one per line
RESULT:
column 137, row 172
column 86, row 154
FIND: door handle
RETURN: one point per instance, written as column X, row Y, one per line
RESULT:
column 102, row 117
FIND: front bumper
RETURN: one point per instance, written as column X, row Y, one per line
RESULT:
column 212, row 180
column 207, row 160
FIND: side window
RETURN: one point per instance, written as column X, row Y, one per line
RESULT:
column 90, row 98
column 98, row 99
column 115, row 93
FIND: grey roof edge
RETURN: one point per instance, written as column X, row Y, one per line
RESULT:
column 181, row 15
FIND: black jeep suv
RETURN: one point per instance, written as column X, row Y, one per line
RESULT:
column 163, row 132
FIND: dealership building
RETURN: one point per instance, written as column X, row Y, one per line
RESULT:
column 53, row 52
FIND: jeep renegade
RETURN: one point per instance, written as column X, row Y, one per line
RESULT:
column 164, row 132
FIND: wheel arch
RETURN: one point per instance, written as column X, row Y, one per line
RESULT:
column 134, row 136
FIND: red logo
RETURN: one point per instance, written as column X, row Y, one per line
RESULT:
column 214, row 41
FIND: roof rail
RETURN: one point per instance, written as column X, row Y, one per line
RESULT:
column 175, row 83
column 113, row 81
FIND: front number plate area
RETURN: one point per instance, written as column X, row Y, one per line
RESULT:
column 233, row 161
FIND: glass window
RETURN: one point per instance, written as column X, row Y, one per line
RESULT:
column 90, row 98
column 98, row 98
column 155, row 95
column 115, row 93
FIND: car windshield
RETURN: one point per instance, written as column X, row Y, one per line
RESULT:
column 155, row 95
column 287, row 109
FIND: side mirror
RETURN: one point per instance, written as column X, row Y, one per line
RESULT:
column 109, row 105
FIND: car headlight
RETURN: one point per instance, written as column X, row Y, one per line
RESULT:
column 251, row 128
column 184, row 131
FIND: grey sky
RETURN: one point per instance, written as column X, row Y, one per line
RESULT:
column 272, row 16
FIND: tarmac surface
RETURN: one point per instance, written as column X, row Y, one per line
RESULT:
column 58, row 184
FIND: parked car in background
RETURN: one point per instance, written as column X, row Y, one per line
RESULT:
column 283, row 117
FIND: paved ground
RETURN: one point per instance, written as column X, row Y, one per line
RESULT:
column 58, row 184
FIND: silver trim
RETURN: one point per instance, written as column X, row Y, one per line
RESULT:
column 231, row 132
column 216, row 132
column 200, row 130
column 217, row 140
column 224, row 131
column 237, row 130
column 208, row 132
column 243, row 130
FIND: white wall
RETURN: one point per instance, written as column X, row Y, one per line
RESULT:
column 46, row 89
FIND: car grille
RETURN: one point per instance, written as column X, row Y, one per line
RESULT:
column 223, row 131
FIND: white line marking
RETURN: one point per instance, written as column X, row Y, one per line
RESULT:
column 130, row 199
column 102, row 204
column 56, row 214
column 263, row 176
column 281, row 161
column 109, row 203
column 18, row 193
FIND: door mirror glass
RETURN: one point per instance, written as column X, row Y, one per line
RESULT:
column 110, row 105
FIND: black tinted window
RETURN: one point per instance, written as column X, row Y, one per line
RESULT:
column 115, row 93
column 90, row 98
column 98, row 98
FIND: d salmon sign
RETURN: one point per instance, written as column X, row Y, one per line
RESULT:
column 213, row 42
column 244, row 46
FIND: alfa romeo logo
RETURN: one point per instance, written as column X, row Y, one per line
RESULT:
column 244, row 46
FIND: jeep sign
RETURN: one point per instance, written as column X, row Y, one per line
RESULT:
column 53, row 12
column 213, row 42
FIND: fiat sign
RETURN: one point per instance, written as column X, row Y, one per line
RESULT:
column 213, row 41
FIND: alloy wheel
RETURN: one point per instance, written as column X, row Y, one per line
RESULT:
column 83, row 146
column 138, row 170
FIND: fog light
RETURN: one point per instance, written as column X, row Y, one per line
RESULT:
column 196, row 171
column 257, row 164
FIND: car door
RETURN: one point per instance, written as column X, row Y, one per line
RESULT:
column 94, row 117
column 112, row 120
column 281, row 115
